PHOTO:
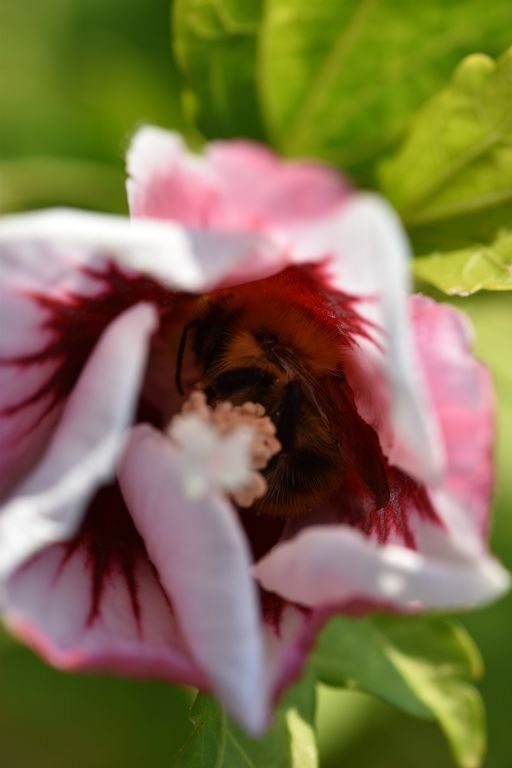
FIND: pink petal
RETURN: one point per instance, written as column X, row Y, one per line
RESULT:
column 234, row 186
column 48, row 505
column 260, row 190
column 47, row 604
column 203, row 564
column 165, row 182
column 461, row 391
column 333, row 566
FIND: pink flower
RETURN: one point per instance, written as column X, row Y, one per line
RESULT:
column 293, row 291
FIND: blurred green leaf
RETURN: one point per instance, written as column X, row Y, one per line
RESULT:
column 289, row 743
column 469, row 270
column 216, row 44
column 53, row 720
column 43, row 181
column 452, row 178
column 335, row 80
column 5, row 640
column 421, row 665
column 77, row 78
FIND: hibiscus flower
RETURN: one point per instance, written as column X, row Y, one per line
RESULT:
column 128, row 540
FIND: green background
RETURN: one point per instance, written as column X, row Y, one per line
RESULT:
column 76, row 78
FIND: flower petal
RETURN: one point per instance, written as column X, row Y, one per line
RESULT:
column 235, row 185
column 47, row 605
column 369, row 257
column 177, row 258
column 26, row 419
column 337, row 565
column 461, row 391
column 48, row 505
column 289, row 635
column 203, row 564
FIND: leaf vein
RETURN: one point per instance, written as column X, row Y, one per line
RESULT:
column 341, row 47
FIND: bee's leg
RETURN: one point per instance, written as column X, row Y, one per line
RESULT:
column 288, row 415
column 181, row 353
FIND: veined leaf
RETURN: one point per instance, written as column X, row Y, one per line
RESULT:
column 421, row 665
column 289, row 743
column 347, row 74
column 335, row 80
column 471, row 269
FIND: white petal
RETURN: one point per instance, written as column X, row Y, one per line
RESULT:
column 48, row 505
column 329, row 565
column 177, row 257
column 48, row 606
column 203, row 563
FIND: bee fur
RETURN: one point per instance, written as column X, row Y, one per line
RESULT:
column 277, row 355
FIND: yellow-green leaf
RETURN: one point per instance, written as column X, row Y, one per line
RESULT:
column 468, row 270
column 336, row 79
column 452, row 178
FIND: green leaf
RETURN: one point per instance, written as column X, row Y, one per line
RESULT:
column 336, row 80
column 6, row 640
column 346, row 75
column 289, row 743
column 421, row 665
column 353, row 654
column 452, row 178
column 468, row 270
column 216, row 44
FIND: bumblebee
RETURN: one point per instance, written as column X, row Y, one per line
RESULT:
column 278, row 355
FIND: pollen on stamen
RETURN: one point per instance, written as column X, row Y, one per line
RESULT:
column 224, row 447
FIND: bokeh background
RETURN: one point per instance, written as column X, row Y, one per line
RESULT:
column 76, row 78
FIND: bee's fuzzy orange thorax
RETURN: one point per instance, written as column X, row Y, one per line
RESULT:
column 299, row 334
column 243, row 351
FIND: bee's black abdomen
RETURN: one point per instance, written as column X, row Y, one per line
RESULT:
column 241, row 378
column 297, row 479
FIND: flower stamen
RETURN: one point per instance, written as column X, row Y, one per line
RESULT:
column 224, row 447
